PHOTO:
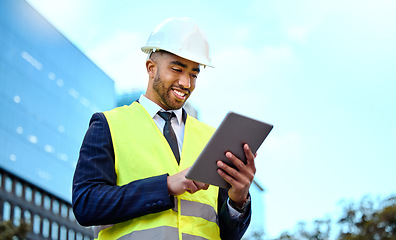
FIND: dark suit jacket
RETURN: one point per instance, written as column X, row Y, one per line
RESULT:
column 97, row 200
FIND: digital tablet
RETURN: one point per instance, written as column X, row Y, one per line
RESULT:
column 234, row 131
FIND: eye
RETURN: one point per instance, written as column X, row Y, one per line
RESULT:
column 195, row 76
column 177, row 69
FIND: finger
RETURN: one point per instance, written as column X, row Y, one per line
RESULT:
column 249, row 154
column 236, row 161
column 232, row 181
column 228, row 170
column 201, row 185
column 191, row 187
column 243, row 174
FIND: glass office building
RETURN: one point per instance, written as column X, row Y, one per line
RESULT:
column 48, row 92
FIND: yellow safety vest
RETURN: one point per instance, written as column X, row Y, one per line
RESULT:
column 141, row 151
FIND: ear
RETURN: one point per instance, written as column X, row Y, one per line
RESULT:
column 151, row 68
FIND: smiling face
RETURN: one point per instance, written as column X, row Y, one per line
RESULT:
column 171, row 79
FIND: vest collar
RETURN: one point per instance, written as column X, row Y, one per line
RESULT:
column 152, row 108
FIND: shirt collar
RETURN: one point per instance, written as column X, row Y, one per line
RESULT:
column 152, row 108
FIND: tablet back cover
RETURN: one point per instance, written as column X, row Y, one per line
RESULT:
column 234, row 131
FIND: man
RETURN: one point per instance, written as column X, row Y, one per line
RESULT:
column 130, row 180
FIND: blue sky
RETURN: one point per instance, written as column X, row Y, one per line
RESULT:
column 322, row 72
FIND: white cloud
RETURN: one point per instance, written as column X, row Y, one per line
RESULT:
column 298, row 20
column 298, row 33
column 380, row 9
column 58, row 12
column 285, row 148
column 248, row 66
column 234, row 35
column 120, row 57
column 241, row 81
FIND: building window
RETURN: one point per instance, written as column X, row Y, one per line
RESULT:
column 79, row 236
column 8, row 184
column 64, row 211
column 6, row 211
column 55, row 206
column 71, row 235
column 37, row 198
column 17, row 216
column 71, row 215
column 18, row 189
column 36, row 224
column 63, row 233
column 47, row 203
column 28, row 194
column 27, row 217
column 54, row 231
column 46, row 226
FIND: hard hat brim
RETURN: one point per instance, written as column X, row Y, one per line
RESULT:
column 150, row 49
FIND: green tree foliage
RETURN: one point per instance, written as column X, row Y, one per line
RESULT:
column 321, row 230
column 367, row 220
column 8, row 231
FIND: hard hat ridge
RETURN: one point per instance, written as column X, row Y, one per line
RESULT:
column 182, row 37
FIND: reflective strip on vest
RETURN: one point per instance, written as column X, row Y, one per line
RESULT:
column 197, row 209
column 186, row 236
column 188, row 208
column 97, row 229
column 158, row 233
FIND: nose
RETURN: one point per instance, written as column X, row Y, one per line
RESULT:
column 184, row 81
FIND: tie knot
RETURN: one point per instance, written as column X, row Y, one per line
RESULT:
column 167, row 116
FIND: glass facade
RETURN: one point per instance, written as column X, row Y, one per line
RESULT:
column 48, row 92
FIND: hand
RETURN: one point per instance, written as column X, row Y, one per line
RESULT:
column 179, row 184
column 241, row 178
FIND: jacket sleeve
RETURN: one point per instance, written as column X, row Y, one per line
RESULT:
column 231, row 229
column 96, row 198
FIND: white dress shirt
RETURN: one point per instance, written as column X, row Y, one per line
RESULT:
column 176, row 123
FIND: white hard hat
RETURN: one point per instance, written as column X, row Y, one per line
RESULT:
column 182, row 37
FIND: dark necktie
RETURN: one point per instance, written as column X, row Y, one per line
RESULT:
column 170, row 134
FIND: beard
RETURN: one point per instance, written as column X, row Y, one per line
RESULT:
column 165, row 93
